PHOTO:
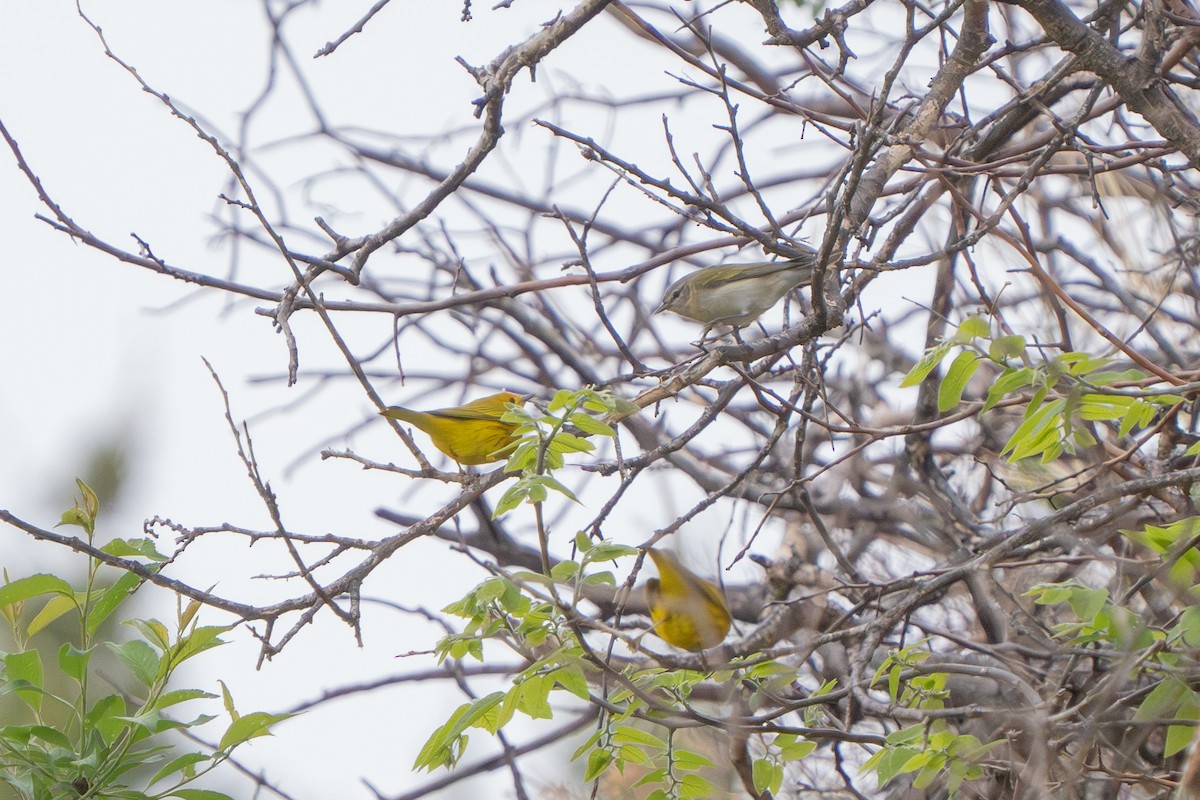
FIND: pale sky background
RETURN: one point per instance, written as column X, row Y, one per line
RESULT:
column 94, row 351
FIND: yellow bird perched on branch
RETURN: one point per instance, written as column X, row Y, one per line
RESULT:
column 687, row 611
column 471, row 433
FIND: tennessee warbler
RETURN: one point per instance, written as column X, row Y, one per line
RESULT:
column 735, row 294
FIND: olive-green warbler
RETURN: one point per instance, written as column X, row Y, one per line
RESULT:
column 735, row 294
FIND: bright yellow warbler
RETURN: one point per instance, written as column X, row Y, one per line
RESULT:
column 470, row 434
column 687, row 611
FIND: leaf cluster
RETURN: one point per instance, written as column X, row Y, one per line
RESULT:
column 77, row 742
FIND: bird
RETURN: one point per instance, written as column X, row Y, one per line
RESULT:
column 687, row 611
column 470, row 434
column 735, row 294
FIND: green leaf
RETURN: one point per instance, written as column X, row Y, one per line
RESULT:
column 140, row 547
column 1163, row 700
column 1139, row 415
column 1006, row 384
column 73, row 661
column 972, row 328
column 154, row 632
column 893, row 762
column 883, row 667
column 763, row 771
column 913, row 733
column 150, row 722
column 104, row 717
column 554, row 484
column 1037, row 433
column 615, row 404
column 524, row 457
column 693, row 785
column 686, row 759
column 445, row 745
column 184, row 764
column 1049, row 594
column 564, row 571
column 598, row 761
column 199, row 640
column 34, row 586
column 55, row 607
column 957, row 772
column 797, row 751
column 962, row 369
column 589, row 424
column 491, row 589
column 586, row 746
column 1180, row 736
column 510, row 499
column 84, row 512
column 131, row 760
column 926, row 365
column 573, row 680
column 533, row 697
column 627, row 734
column 1006, row 347
column 188, row 613
column 139, row 657
column 1189, row 626
column 1115, row 376
column 1087, row 603
column 633, row 754
column 199, row 794
column 227, row 701
column 53, row 736
column 928, row 774
column 249, row 726
column 569, row 443
column 181, row 696
column 20, row 734
column 26, row 667
column 75, row 516
column 963, row 746
column 610, row 551
column 91, row 503
column 563, row 398
column 111, row 599
column 1104, row 407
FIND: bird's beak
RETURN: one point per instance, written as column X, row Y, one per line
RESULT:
column 661, row 308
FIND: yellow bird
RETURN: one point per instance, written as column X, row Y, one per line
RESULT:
column 687, row 611
column 470, row 434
